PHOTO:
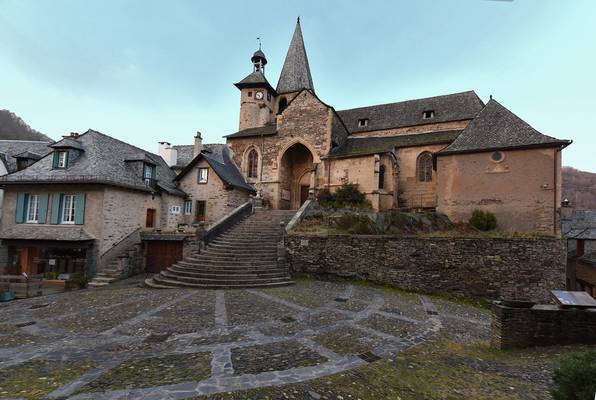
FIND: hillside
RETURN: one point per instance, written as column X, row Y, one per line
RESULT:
column 579, row 187
column 13, row 127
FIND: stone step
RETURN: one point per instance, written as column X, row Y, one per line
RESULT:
column 227, row 263
column 236, row 255
column 173, row 284
column 235, row 280
column 225, row 272
column 232, row 247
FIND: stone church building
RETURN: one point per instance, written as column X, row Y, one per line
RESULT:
column 450, row 153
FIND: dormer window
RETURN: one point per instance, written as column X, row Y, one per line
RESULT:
column 149, row 174
column 428, row 114
column 60, row 159
column 362, row 122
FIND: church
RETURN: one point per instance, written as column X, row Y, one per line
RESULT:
column 451, row 153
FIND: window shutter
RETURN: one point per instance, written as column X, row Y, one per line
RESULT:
column 43, row 208
column 55, row 160
column 80, row 208
column 56, row 206
column 153, row 172
column 20, row 211
column 66, row 159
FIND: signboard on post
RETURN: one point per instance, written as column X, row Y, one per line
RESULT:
column 565, row 299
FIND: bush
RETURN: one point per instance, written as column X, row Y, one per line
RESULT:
column 76, row 282
column 355, row 224
column 575, row 379
column 347, row 195
column 483, row 220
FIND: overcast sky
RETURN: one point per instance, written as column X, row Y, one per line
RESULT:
column 145, row 71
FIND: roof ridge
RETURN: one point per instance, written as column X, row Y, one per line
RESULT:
column 121, row 141
column 412, row 100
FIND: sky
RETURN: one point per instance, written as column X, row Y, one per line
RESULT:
column 146, row 71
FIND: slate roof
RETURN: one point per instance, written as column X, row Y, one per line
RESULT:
column 68, row 143
column 44, row 232
column 10, row 148
column 255, row 79
column 495, row 128
column 103, row 161
column 219, row 158
column 184, row 155
column 451, row 107
column 581, row 225
column 270, row 129
column 295, row 74
column 357, row 146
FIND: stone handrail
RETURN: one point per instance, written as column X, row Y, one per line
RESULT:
column 225, row 223
column 117, row 248
column 307, row 205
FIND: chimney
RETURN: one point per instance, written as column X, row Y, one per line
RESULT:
column 198, row 145
column 168, row 153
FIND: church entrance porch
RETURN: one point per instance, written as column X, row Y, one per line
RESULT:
column 295, row 176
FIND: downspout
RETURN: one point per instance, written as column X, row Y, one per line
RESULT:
column 555, row 163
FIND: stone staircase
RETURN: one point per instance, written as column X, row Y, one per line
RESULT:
column 246, row 255
column 119, row 268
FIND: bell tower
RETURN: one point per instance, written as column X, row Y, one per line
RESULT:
column 257, row 96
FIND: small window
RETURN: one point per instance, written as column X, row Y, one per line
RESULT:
column 188, row 207
column 203, row 175
column 428, row 114
column 68, row 209
column 22, row 164
column 362, row 122
column 61, row 160
column 268, row 96
column 249, row 94
column 175, row 210
column 201, row 211
column 497, row 156
column 253, row 164
column 424, row 167
column 382, row 177
column 33, row 209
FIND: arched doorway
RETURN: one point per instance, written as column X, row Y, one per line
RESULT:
column 295, row 176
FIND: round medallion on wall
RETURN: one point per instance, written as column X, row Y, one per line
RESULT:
column 259, row 95
column 497, row 156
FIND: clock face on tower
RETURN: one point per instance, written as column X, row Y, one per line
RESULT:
column 259, row 95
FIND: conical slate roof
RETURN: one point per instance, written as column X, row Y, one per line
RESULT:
column 495, row 127
column 295, row 74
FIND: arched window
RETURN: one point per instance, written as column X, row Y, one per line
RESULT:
column 382, row 177
column 283, row 103
column 253, row 164
column 424, row 167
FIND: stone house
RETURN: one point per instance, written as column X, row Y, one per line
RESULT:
column 66, row 211
column 579, row 228
column 450, row 153
column 206, row 173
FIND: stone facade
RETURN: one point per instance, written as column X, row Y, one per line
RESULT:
column 491, row 268
column 540, row 326
column 220, row 198
column 523, row 190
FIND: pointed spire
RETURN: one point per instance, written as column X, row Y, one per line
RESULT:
column 295, row 74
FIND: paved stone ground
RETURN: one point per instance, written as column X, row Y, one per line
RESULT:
column 309, row 341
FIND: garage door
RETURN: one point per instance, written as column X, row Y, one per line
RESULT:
column 162, row 253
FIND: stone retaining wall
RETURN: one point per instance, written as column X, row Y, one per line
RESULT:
column 490, row 268
column 541, row 325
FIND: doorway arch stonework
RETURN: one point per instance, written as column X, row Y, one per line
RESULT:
column 295, row 174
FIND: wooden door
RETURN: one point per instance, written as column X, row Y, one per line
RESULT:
column 303, row 194
column 201, row 211
column 161, row 254
column 150, row 220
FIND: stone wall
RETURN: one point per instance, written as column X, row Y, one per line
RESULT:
column 489, row 268
column 541, row 325
column 523, row 190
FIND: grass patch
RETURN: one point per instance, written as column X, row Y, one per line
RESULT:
column 35, row 379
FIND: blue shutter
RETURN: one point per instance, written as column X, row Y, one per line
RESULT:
column 55, row 160
column 80, row 209
column 56, row 206
column 66, row 156
column 43, row 208
column 20, row 211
